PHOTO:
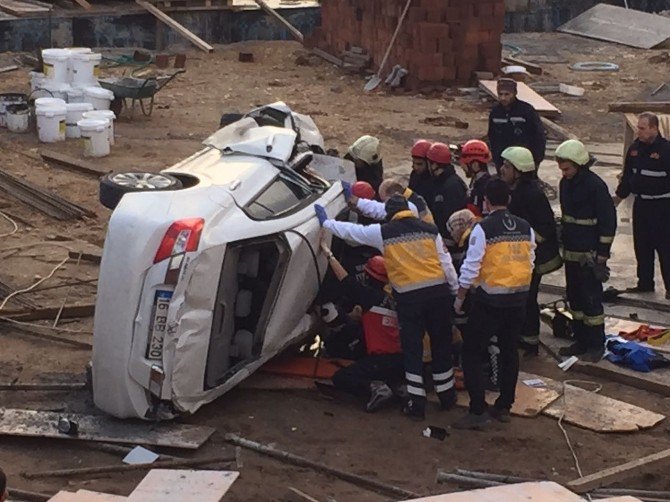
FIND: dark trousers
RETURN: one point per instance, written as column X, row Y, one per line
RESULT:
column 357, row 377
column 432, row 315
column 531, row 327
column 504, row 323
column 651, row 219
column 346, row 341
column 585, row 296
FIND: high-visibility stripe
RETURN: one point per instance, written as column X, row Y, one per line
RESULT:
column 653, row 174
column 411, row 377
column 444, row 376
column 577, row 315
column 577, row 256
column 460, row 321
column 444, row 387
column 517, row 119
column 606, row 240
column 587, row 222
column 653, row 197
column 595, row 320
column 419, row 285
column 553, row 264
column 500, row 121
column 416, row 391
column 500, row 290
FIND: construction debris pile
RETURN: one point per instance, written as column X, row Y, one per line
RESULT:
column 441, row 42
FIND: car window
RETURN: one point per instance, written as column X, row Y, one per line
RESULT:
column 279, row 197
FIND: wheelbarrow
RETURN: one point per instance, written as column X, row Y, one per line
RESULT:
column 135, row 89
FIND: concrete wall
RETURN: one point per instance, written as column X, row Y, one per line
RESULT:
column 547, row 15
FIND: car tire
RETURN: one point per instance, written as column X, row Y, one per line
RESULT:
column 114, row 186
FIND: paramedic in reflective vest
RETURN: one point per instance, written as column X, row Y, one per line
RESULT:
column 366, row 156
column 646, row 175
column 531, row 204
column 475, row 158
column 381, row 369
column 499, row 266
column 419, row 180
column 513, row 122
column 588, row 225
column 423, row 279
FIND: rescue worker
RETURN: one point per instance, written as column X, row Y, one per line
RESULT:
column 450, row 192
column 475, row 158
column 588, row 225
column 646, row 175
column 366, row 156
column 4, row 492
column 499, row 262
column 419, row 179
column 530, row 203
column 513, row 122
column 423, row 278
column 374, row 375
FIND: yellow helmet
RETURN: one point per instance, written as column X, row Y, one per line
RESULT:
column 366, row 148
column 520, row 158
column 573, row 150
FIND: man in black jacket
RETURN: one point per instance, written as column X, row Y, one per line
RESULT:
column 419, row 179
column 530, row 203
column 587, row 230
column 450, row 193
column 646, row 175
column 365, row 153
column 513, row 122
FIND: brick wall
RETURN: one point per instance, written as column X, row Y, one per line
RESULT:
column 441, row 42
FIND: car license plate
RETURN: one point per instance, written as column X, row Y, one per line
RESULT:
column 158, row 325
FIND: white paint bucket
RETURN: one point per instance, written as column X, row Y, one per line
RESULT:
column 36, row 79
column 18, row 118
column 10, row 98
column 96, row 137
column 73, row 51
column 51, row 123
column 75, row 95
column 107, row 115
column 56, row 89
column 85, row 68
column 55, row 64
column 75, row 112
column 100, row 98
column 46, row 102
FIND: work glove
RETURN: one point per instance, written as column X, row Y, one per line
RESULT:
column 601, row 272
column 320, row 213
column 346, row 187
column 458, row 305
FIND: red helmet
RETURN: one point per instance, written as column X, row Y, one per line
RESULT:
column 475, row 149
column 376, row 268
column 363, row 190
column 439, row 153
column 420, row 148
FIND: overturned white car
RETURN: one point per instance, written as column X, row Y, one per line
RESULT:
column 209, row 268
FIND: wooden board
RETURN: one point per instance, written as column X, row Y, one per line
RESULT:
column 16, row 422
column 600, row 413
column 620, row 472
column 162, row 16
column 17, row 8
column 529, row 401
column 73, row 163
column 616, row 24
column 542, row 491
column 166, row 485
column 86, row 496
column 525, row 93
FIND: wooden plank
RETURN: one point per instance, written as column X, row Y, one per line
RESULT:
column 6, row 69
column 84, row 4
column 16, row 8
column 542, row 491
column 620, row 472
column 85, row 496
column 328, row 57
column 90, row 257
column 50, row 313
column 73, row 164
column 561, row 133
column 600, row 413
column 617, row 24
column 30, row 423
column 164, row 485
column 162, row 16
column 657, row 381
column 273, row 13
column 639, row 107
column 525, row 93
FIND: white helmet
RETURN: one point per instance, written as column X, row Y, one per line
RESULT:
column 366, row 148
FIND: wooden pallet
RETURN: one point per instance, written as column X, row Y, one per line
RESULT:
column 20, row 9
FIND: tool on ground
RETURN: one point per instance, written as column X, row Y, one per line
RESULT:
column 374, row 82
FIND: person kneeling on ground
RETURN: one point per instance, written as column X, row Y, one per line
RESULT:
column 375, row 374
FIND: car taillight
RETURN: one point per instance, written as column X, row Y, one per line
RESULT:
column 182, row 236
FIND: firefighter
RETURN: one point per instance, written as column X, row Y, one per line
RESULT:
column 376, row 210
column 588, row 225
column 450, row 192
column 513, row 122
column 366, row 156
column 423, row 278
column 530, row 203
column 475, row 158
column 500, row 262
column 381, row 368
column 419, row 180
column 646, row 175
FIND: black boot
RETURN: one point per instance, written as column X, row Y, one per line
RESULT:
column 415, row 410
column 576, row 349
column 447, row 400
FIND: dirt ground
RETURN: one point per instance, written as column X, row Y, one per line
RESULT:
column 339, row 433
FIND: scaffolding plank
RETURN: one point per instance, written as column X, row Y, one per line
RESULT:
column 162, row 16
column 525, row 93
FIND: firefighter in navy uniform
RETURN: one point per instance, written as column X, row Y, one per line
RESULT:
column 513, row 122
column 475, row 158
column 499, row 263
column 366, row 155
column 419, row 180
column 449, row 191
column 423, row 279
column 530, row 203
column 588, row 225
column 646, row 175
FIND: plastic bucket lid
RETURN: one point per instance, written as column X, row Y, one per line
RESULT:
column 98, row 92
column 87, row 56
column 100, row 114
column 95, row 125
column 51, row 111
column 49, row 102
column 54, row 86
column 79, row 107
column 56, row 54
column 79, row 50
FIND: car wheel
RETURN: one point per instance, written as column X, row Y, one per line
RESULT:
column 113, row 186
